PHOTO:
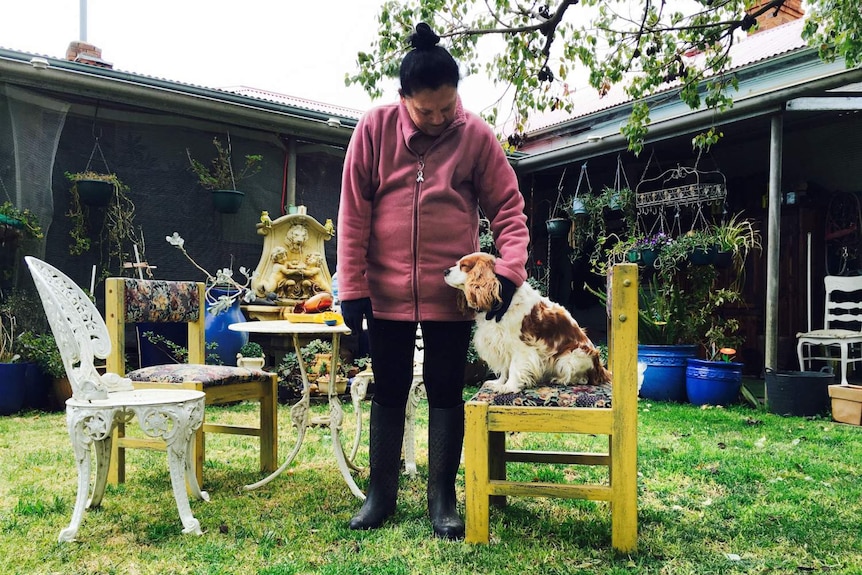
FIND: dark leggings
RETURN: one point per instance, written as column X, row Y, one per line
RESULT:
column 445, row 349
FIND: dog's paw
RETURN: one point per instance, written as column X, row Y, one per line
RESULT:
column 494, row 385
column 510, row 387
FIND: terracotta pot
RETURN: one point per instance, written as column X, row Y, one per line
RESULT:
column 61, row 390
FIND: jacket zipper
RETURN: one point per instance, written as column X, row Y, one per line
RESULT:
column 420, row 177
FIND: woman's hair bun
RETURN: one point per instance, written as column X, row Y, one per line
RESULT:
column 424, row 37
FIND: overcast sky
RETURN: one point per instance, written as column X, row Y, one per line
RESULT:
column 297, row 47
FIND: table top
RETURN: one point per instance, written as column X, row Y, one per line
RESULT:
column 283, row 326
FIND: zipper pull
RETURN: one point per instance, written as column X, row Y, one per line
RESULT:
column 420, row 176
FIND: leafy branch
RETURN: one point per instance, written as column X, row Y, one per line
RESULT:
column 545, row 45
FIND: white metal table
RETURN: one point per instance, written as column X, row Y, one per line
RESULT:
column 300, row 412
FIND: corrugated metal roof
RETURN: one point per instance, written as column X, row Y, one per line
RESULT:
column 255, row 93
column 748, row 50
column 294, row 101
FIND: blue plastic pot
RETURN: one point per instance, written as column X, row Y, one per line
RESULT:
column 217, row 330
column 12, row 387
column 664, row 377
column 712, row 382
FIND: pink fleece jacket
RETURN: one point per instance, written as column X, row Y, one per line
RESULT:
column 405, row 217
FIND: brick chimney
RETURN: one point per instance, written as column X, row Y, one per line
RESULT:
column 86, row 54
column 789, row 11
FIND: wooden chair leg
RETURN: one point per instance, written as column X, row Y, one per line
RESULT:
column 268, row 427
column 497, row 463
column 199, row 451
column 117, row 465
column 478, row 473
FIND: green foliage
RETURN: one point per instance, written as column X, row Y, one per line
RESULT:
column 833, row 28
column 42, row 350
column 711, row 482
column 593, row 237
column 251, row 349
column 8, row 344
column 118, row 232
column 25, row 219
column 682, row 305
column 178, row 353
column 533, row 51
column 289, row 375
column 680, row 302
column 220, row 175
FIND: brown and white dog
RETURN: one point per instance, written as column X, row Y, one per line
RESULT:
column 536, row 339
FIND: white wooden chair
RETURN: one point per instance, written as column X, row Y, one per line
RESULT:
column 842, row 327
column 100, row 402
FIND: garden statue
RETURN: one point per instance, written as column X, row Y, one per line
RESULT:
column 292, row 267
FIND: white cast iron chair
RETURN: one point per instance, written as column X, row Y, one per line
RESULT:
column 99, row 402
column 842, row 326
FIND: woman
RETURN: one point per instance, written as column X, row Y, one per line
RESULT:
column 415, row 175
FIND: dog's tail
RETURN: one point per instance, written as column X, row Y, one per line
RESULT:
column 598, row 375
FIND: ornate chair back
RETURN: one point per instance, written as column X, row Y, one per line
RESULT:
column 79, row 330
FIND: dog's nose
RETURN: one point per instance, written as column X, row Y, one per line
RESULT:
column 446, row 272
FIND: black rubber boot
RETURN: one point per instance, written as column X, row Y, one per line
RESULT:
column 386, row 436
column 445, row 438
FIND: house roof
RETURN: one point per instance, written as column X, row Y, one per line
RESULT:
column 258, row 109
column 294, row 101
column 746, row 51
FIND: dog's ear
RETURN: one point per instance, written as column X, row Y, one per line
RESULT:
column 482, row 289
column 461, row 301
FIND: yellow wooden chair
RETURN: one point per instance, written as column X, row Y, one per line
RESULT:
column 131, row 301
column 490, row 418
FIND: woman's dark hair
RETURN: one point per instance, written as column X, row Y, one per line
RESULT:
column 427, row 65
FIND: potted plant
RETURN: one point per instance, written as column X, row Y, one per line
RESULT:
column 41, row 350
column 93, row 188
column 611, row 218
column 118, row 232
column 289, row 378
column 702, row 245
column 12, row 382
column 14, row 222
column 716, row 380
column 736, row 237
column 251, row 356
column 220, row 177
column 678, row 306
column 315, row 354
column 325, row 376
column 650, row 247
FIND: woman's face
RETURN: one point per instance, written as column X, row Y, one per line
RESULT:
column 432, row 110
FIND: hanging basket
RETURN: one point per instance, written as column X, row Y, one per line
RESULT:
column 95, row 192
column 227, row 201
column 578, row 206
column 558, row 227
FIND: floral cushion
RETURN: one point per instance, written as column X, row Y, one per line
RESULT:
column 551, row 395
column 208, row 375
column 161, row 301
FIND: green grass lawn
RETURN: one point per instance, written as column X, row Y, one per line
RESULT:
column 720, row 491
